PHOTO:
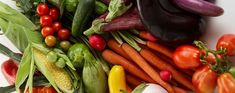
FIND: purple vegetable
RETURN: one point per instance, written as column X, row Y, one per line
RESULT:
column 202, row 7
column 129, row 20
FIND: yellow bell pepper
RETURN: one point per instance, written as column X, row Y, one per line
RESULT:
column 116, row 79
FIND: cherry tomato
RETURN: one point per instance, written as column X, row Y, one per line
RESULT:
column 50, row 41
column 226, row 83
column 46, row 31
column 9, row 69
column 42, row 9
column 56, row 26
column 46, row 20
column 54, row 13
column 63, row 34
column 186, row 57
column 227, row 41
column 204, row 80
column 43, row 89
column 97, row 42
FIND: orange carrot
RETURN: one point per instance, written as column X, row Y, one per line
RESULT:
column 179, row 90
column 116, row 59
column 128, row 88
column 159, row 48
column 112, row 44
column 133, row 81
column 148, row 36
column 139, row 60
column 160, row 64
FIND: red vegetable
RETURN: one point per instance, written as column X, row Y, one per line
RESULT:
column 226, row 83
column 42, row 9
column 148, row 36
column 64, row 34
column 57, row 26
column 9, row 69
column 186, row 57
column 46, row 20
column 165, row 75
column 227, row 42
column 204, row 80
column 54, row 13
column 97, row 42
column 129, row 20
column 46, row 31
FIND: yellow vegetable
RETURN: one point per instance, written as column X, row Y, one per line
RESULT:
column 51, row 71
column 116, row 79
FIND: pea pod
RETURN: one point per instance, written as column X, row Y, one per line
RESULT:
column 116, row 79
column 83, row 12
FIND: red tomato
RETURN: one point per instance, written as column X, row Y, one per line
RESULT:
column 226, row 83
column 46, row 31
column 43, row 89
column 56, row 26
column 42, row 9
column 63, row 34
column 54, row 13
column 227, row 41
column 46, row 20
column 204, row 80
column 186, row 57
column 50, row 41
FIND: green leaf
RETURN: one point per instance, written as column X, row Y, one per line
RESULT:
column 24, row 68
column 7, row 89
column 116, row 8
column 15, row 17
column 6, row 51
column 61, row 54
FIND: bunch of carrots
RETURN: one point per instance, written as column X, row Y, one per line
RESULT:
column 144, row 65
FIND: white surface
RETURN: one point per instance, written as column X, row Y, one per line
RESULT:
column 219, row 26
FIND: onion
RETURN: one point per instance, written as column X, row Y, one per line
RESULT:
column 154, row 88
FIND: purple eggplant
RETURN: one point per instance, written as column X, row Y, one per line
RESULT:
column 129, row 20
column 201, row 7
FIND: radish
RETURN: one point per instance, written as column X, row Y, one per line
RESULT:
column 165, row 75
column 97, row 42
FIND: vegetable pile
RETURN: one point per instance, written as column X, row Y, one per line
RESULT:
column 114, row 46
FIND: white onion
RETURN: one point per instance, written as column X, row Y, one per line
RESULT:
column 154, row 88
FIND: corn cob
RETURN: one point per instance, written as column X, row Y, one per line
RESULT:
column 49, row 69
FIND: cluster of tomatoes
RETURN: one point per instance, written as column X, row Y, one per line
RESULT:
column 212, row 66
column 51, row 26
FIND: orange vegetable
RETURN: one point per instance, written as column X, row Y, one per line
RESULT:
column 179, row 90
column 116, row 59
column 139, row 60
column 160, row 48
column 112, row 44
column 160, row 64
column 133, row 80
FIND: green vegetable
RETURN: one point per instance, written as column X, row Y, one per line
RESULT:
column 116, row 8
column 94, row 77
column 76, row 54
column 82, row 14
column 71, row 5
column 232, row 71
column 100, row 7
column 60, row 63
column 52, row 57
column 6, row 51
column 65, row 45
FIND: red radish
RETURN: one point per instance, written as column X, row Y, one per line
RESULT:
column 165, row 75
column 9, row 69
column 97, row 42
column 46, row 21
column 42, row 9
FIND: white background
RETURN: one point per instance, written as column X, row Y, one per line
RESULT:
column 219, row 26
